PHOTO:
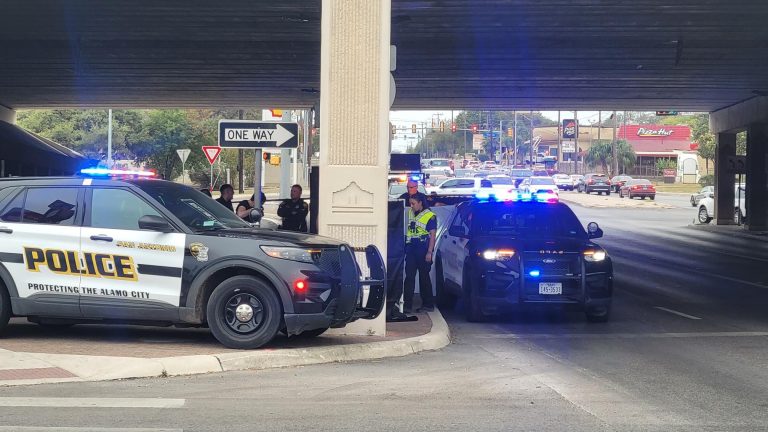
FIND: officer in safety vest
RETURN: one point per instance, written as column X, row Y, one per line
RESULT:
column 419, row 248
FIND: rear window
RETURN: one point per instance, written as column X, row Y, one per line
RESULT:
column 599, row 176
column 639, row 182
column 500, row 180
column 439, row 163
column 522, row 173
column 542, row 181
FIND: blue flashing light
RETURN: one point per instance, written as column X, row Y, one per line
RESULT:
column 534, row 273
column 105, row 172
column 416, row 177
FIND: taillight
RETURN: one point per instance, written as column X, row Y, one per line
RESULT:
column 635, row 187
column 591, row 181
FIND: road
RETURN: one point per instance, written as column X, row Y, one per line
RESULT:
column 686, row 350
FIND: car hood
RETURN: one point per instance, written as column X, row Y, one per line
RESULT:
column 272, row 236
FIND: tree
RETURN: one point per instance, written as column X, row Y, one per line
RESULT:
column 490, row 120
column 601, row 153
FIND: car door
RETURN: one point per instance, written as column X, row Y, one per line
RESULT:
column 447, row 187
column 142, row 269
column 452, row 247
column 40, row 245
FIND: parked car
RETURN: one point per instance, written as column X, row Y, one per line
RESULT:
column 703, row 193
column 563, row 181
column 638, row 188
column 706, row 210
column 595, row 183
column 618, row 181
column 575, row 179
column 461, row 186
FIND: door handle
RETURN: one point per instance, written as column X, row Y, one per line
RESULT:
column 5, row 230
column 101, row 238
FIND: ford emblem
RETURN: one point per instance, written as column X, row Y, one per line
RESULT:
column 549, row 261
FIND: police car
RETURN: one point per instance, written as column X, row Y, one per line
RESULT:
column 133, row 249
column 522, row 250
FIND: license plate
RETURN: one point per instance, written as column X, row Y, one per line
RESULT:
column 550, row 288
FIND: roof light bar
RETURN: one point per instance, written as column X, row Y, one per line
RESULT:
column 115, row 172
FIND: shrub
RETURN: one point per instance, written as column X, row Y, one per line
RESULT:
column 707, row 180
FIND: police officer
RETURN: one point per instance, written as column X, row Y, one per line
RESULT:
column 412, row 188
column 227, row 193
column 294, row 211
column 419, row 248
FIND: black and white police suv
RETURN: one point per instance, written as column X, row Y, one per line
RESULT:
column 139, row 250
column 500, row 253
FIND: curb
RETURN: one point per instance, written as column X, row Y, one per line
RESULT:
column 102, row 368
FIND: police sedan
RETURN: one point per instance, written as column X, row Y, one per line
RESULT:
column 132, row 249
column 520, row 251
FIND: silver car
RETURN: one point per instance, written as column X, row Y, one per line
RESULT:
column 703, row 193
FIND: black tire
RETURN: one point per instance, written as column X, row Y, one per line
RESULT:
column 598, row 314
column 703, row 216
column 608, row 193
column 472, row 310
column 621, row 194
column 642, row 197
column 443, row 298
column 652, row 197
column 5, row 307
column 629, row 195
column 265, row 307
column 693, row 202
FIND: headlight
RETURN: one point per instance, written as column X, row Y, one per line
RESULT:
column 498, row 254
column 594, row 255
column 291, row 253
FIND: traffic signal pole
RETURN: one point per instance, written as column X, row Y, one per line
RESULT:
column 257, row 173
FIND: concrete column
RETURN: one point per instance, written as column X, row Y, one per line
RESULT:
column 354, row 114
column 757, row 177
column 7, row 114
column 724, row 179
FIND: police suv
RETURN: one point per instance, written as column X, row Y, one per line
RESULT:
column 132, row 249
column 523, row 250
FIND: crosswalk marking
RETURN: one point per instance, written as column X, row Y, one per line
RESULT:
column 75, row 402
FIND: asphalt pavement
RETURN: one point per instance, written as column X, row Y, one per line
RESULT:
column 686, row 350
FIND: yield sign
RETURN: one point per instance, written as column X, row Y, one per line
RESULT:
column 212, row 153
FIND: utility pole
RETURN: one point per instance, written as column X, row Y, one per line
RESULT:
column 515, row 163
column 613, row 143
column 533, row 159
column 109, row 143
column 240, row 161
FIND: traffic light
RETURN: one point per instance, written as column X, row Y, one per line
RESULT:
column 453, row 127
column 510, row 132
column 266, row 156
column 413, row 128
column 474, row 128
column 442, row 126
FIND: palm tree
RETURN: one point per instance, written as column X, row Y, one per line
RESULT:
column 599, row 153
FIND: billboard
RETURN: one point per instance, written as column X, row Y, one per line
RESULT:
column 477, row 141
column 570, row 129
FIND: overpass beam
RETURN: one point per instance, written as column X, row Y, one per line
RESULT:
column 354, row 119
column 724, row 179
column 757, row 177
column 7, row 115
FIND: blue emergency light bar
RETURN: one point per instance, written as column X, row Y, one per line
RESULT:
column 509, row 196
column 106, row 172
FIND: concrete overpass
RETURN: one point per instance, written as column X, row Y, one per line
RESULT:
column 688, row 55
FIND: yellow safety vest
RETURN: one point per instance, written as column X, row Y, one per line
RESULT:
column 417, row 225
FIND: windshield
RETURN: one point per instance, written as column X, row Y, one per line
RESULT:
column 542, row 181
column 440, row 163
column 522, row 173
column 530, row 219
column 195, row 210
column 500, row 180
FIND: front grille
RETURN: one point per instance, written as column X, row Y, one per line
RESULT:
column 329, row 261
column 563, row 265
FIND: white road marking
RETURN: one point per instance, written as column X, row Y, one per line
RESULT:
column 80, row 429
column 75, row 402
column 677, row 313
column 619, row 335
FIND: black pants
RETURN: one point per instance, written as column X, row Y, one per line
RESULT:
column 415, row 261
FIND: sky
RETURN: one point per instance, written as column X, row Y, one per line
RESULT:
column 404, row 121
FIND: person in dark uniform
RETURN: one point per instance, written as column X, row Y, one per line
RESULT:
column 294, row 211
column 419, row 247
column 206, row 192
column 244, row 207
column 412, row 188
column 227, row 192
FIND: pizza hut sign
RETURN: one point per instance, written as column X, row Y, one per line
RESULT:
column 644, row 132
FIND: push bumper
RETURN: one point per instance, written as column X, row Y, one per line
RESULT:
column 346, row 304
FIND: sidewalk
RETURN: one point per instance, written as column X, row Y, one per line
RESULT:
column 610, row 201
column 31, row 354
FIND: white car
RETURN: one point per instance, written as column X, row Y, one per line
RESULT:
column 461, row 186
column 501, row 182
column 707, row 206
column 538, row 184
column 489, row 165
column 563, row 181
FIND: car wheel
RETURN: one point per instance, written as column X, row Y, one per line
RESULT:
column 693, row 202
column 5, row 307
column 621, row 194
column 629, row 195
column 244, row 312
column 652, row 197
column 598, row 314
column 608, row 193
column 642, row 197
column 472, row 309
column 442, row 296
column 703, row 215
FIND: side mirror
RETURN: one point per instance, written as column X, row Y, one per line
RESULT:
column 155, row 223
column 594, row 230
column 456, row 231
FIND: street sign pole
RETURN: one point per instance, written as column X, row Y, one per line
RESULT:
column 257, row 179
column 183, row 155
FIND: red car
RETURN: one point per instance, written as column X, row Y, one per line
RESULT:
column 638, row 188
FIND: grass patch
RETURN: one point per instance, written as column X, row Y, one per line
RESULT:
column 677, row 187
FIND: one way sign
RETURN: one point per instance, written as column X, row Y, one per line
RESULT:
column 250, row 134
